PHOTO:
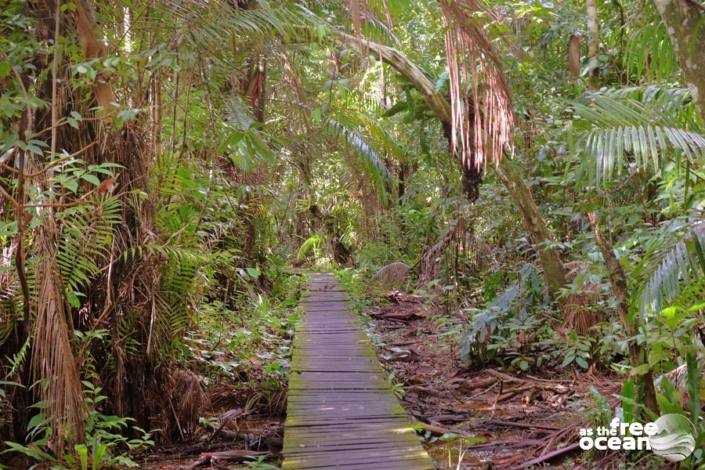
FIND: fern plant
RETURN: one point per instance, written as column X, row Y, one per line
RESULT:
column 86, row 238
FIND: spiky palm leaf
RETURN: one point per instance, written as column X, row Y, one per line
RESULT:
column 622, row 126
column 368, row 156
column 208, row 23
column 676, row 262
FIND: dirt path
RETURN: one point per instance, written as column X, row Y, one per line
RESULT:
column 341, row 410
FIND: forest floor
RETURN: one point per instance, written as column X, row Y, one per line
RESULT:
column 493, row 418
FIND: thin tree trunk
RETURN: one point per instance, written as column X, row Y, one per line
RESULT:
column 553, row 270
column 593, row 42
column 684, row 20
column 620, row 290
column 574, row 56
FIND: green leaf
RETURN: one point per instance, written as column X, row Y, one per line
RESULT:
column 5, row 68
column 71, row 184
column 126, row 115
column 629, row 401
column 567, row 360
column 253, row 272
column 668, row 400
column 73, row 299
column 82, row 452
column 91, row 179
column 8, row 229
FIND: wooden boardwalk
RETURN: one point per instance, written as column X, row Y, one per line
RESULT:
column 341, row 412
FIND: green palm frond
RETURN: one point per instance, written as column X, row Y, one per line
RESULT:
column 624, row 129
column 372, row 161
column 173, row 312
column 670, row 99
column 209, row 22
column 377, row 135
column 649, row 51
column 311, row 244
column 170, row 312
column 674, row 267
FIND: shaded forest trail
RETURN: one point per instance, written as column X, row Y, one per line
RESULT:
column 341, row 410
column 510, row 194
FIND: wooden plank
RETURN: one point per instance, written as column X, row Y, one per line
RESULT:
column 341, row 412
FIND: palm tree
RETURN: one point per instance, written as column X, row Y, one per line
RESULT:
column 461, row 123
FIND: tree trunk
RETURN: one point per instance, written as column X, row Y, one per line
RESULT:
column 574, row 56
column 620, row 290
column 553, row 270
column 593, row 43
column 554, row 273
column 437, row 102
column 93, row 48
column 683, row 20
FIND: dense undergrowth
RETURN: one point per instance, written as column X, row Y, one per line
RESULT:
column 530, row 172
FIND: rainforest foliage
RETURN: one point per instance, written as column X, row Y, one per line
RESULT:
column 170, row 169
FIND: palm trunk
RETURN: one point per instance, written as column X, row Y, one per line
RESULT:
column 554, row 273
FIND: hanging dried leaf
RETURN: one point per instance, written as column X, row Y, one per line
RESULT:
column 482, row 117
column 53, row 361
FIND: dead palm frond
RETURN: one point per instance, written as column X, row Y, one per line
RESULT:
column 481, row 107
column 53, row 361
column 366, row 15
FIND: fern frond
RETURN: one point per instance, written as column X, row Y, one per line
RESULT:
column 86, row 238
column 312, row 243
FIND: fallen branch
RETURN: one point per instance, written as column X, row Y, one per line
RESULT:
column 225, row 419
column 239, row 455
column 435, row 429
column 550, row 455
column 500, row 422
